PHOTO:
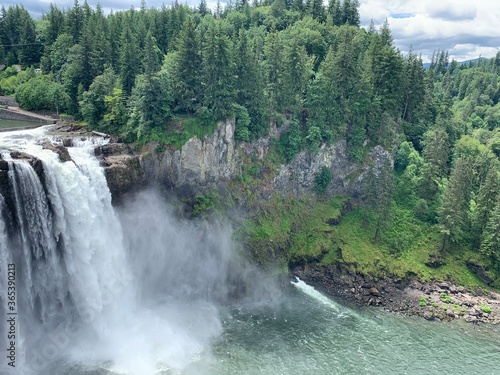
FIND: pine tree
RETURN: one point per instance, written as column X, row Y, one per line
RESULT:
column 249, row 85
column 350, row 13
column 455, row 207
column 217, row 73
column 203, row 8
column 29, row 51
column 187, row 75
column 486, row 201
column 377, row 192
column 151, row 56
column 55, row 24
column 275, row 90
column 490, row 243
column 100, row 54
column 128, row 62
column 317, row 10
column 436, row 155
column 298, row 68
column 75, row 21
column 335, row 12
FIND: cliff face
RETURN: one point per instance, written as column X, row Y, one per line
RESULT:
column 299, row 177
column 204, row 163
column 199, row 163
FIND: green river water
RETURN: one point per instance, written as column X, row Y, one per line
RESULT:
column 308, row 333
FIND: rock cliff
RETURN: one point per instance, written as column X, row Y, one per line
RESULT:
column 204, row 163
column 199, row 163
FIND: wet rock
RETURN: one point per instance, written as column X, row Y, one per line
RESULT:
column 470, row 318
column 60, row 150
column 428, row 315
column 111, row 149
column 474, row 312
column 450, row 313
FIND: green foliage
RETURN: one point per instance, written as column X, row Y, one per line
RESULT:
column 42, row 93
column 486, row 309
column 422, row 302
column 322, row 180
column 204, row 205
column 445, row 297
column 290, row 142
column 242, row 122
column 454, row 210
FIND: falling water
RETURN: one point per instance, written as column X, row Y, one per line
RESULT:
column 132, row 291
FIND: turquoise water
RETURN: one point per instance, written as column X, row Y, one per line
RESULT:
column 307, row 333
column 310, row 334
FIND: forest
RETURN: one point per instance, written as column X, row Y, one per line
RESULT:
column 137, row 73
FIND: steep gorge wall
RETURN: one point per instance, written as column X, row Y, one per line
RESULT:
column 198, row 164
column 202, row 164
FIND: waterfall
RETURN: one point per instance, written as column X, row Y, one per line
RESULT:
column 67, row 247
column 101, row 290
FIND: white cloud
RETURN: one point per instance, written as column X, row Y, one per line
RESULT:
column 453, row 12
column 465, row 29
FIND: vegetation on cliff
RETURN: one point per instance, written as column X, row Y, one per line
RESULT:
column 311, row 67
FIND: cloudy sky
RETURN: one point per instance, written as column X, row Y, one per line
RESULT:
column 467, row 29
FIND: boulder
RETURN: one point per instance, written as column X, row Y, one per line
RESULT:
column 60, row 150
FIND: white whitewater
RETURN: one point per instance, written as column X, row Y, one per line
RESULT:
column 313, row 293
column 77, row 288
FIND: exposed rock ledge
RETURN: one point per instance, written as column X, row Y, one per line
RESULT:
column 432, row 301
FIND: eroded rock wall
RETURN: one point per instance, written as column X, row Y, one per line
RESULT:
column 199, row 163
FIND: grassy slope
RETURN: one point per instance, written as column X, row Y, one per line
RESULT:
column 303, row 230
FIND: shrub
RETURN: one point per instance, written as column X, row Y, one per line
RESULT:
column 486, row 309
column 422, row 302
column 323, row 179
column 445, row 298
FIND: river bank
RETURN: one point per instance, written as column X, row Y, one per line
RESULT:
column 442, row 301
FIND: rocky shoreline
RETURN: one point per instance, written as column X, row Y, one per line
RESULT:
column 441, row 301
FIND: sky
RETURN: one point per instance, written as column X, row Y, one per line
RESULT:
column 467, row 29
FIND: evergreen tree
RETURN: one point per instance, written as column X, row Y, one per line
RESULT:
column 486, row 201
column 298, row 69
column 275, row 90
column 350, row 13
column 377, row 192
column 100, row 55
column 249, row 85
column 490, row 243
column 317, row 10
column 188, row 65
column 55, row 27
column 436, row 155
column 151, row 56
column 129, row 64
column 29, row 50
column 75, row 21
column 217, row 73
column 454, row 210
column 335, row 12
column 93, row 105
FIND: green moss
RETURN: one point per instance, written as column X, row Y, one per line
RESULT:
column 178, row 131
column 291, row 230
